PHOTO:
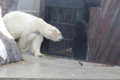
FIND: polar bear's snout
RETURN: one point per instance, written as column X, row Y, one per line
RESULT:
column 60, row 37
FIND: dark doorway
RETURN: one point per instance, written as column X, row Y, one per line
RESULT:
column 71, row 18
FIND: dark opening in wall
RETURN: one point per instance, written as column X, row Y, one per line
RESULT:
column 71, row 17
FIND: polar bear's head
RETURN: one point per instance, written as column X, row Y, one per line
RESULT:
column 53, row 33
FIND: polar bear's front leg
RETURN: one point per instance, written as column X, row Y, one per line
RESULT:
column 22, row 44
column 36, row 45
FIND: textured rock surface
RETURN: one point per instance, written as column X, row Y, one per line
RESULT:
column 13, row 51
column 5, row 6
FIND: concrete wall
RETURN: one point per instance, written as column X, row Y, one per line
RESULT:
column 28, row 6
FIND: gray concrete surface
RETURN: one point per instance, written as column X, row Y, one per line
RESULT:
column 57, row 68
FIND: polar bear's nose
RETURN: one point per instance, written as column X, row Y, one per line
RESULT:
column 60, row 38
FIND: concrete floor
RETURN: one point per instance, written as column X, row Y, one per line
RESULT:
column 57, row 68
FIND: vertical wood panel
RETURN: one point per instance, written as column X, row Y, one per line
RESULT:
column 104, row 33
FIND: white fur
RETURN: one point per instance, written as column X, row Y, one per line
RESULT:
column 30, row 28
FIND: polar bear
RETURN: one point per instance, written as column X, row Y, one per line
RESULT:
column 28, row 28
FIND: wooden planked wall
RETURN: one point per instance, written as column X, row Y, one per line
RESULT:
column 104, row 33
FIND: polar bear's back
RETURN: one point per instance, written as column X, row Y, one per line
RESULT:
column 18, row 22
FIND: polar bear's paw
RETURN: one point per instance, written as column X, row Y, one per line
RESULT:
column 38, row 54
